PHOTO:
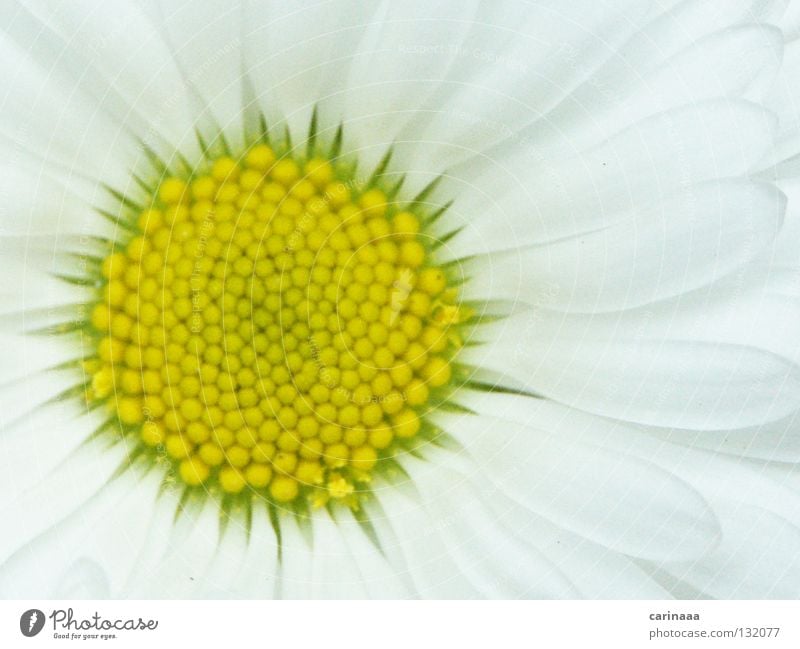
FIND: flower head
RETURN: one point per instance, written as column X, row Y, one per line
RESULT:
column 271, row 326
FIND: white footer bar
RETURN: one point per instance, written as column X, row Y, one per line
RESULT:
column 400, row 625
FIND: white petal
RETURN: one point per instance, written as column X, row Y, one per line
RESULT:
column 677, row 24
column 382, row 575
column 565, row 562
column 37, row 445
column 256, row 576
column 658, row 251
column 777, row 441
column 60, row 493
column 92, row 551
column 205, row 40
column 784, row 99
column 176, row 562
column 295, row 567
column 595, row 571
column 757, row 505
column 41, row 203
column 514, row 65
column 535, row 196
column 389, row 79
column 327, row 558
column 759, row 513
column 27, row 356
column 114, row 54
column 487, row 544
column 298, row 56
column 334, row 571
column 45, row 122
column 644, row 80
column 643, row 368
column 717, row 477
column 789, row 20
column 35, row 387
column 83, row 579
column 409, row 530
column 220, row 578
column 757, row 558
column 613, row 499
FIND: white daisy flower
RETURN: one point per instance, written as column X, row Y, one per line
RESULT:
column 420, row 299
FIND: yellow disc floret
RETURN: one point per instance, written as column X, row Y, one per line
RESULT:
column 273, row 328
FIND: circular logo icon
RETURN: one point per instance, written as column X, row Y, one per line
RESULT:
column 31, row 622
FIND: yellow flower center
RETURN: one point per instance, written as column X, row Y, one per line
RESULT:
column 271, row 326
